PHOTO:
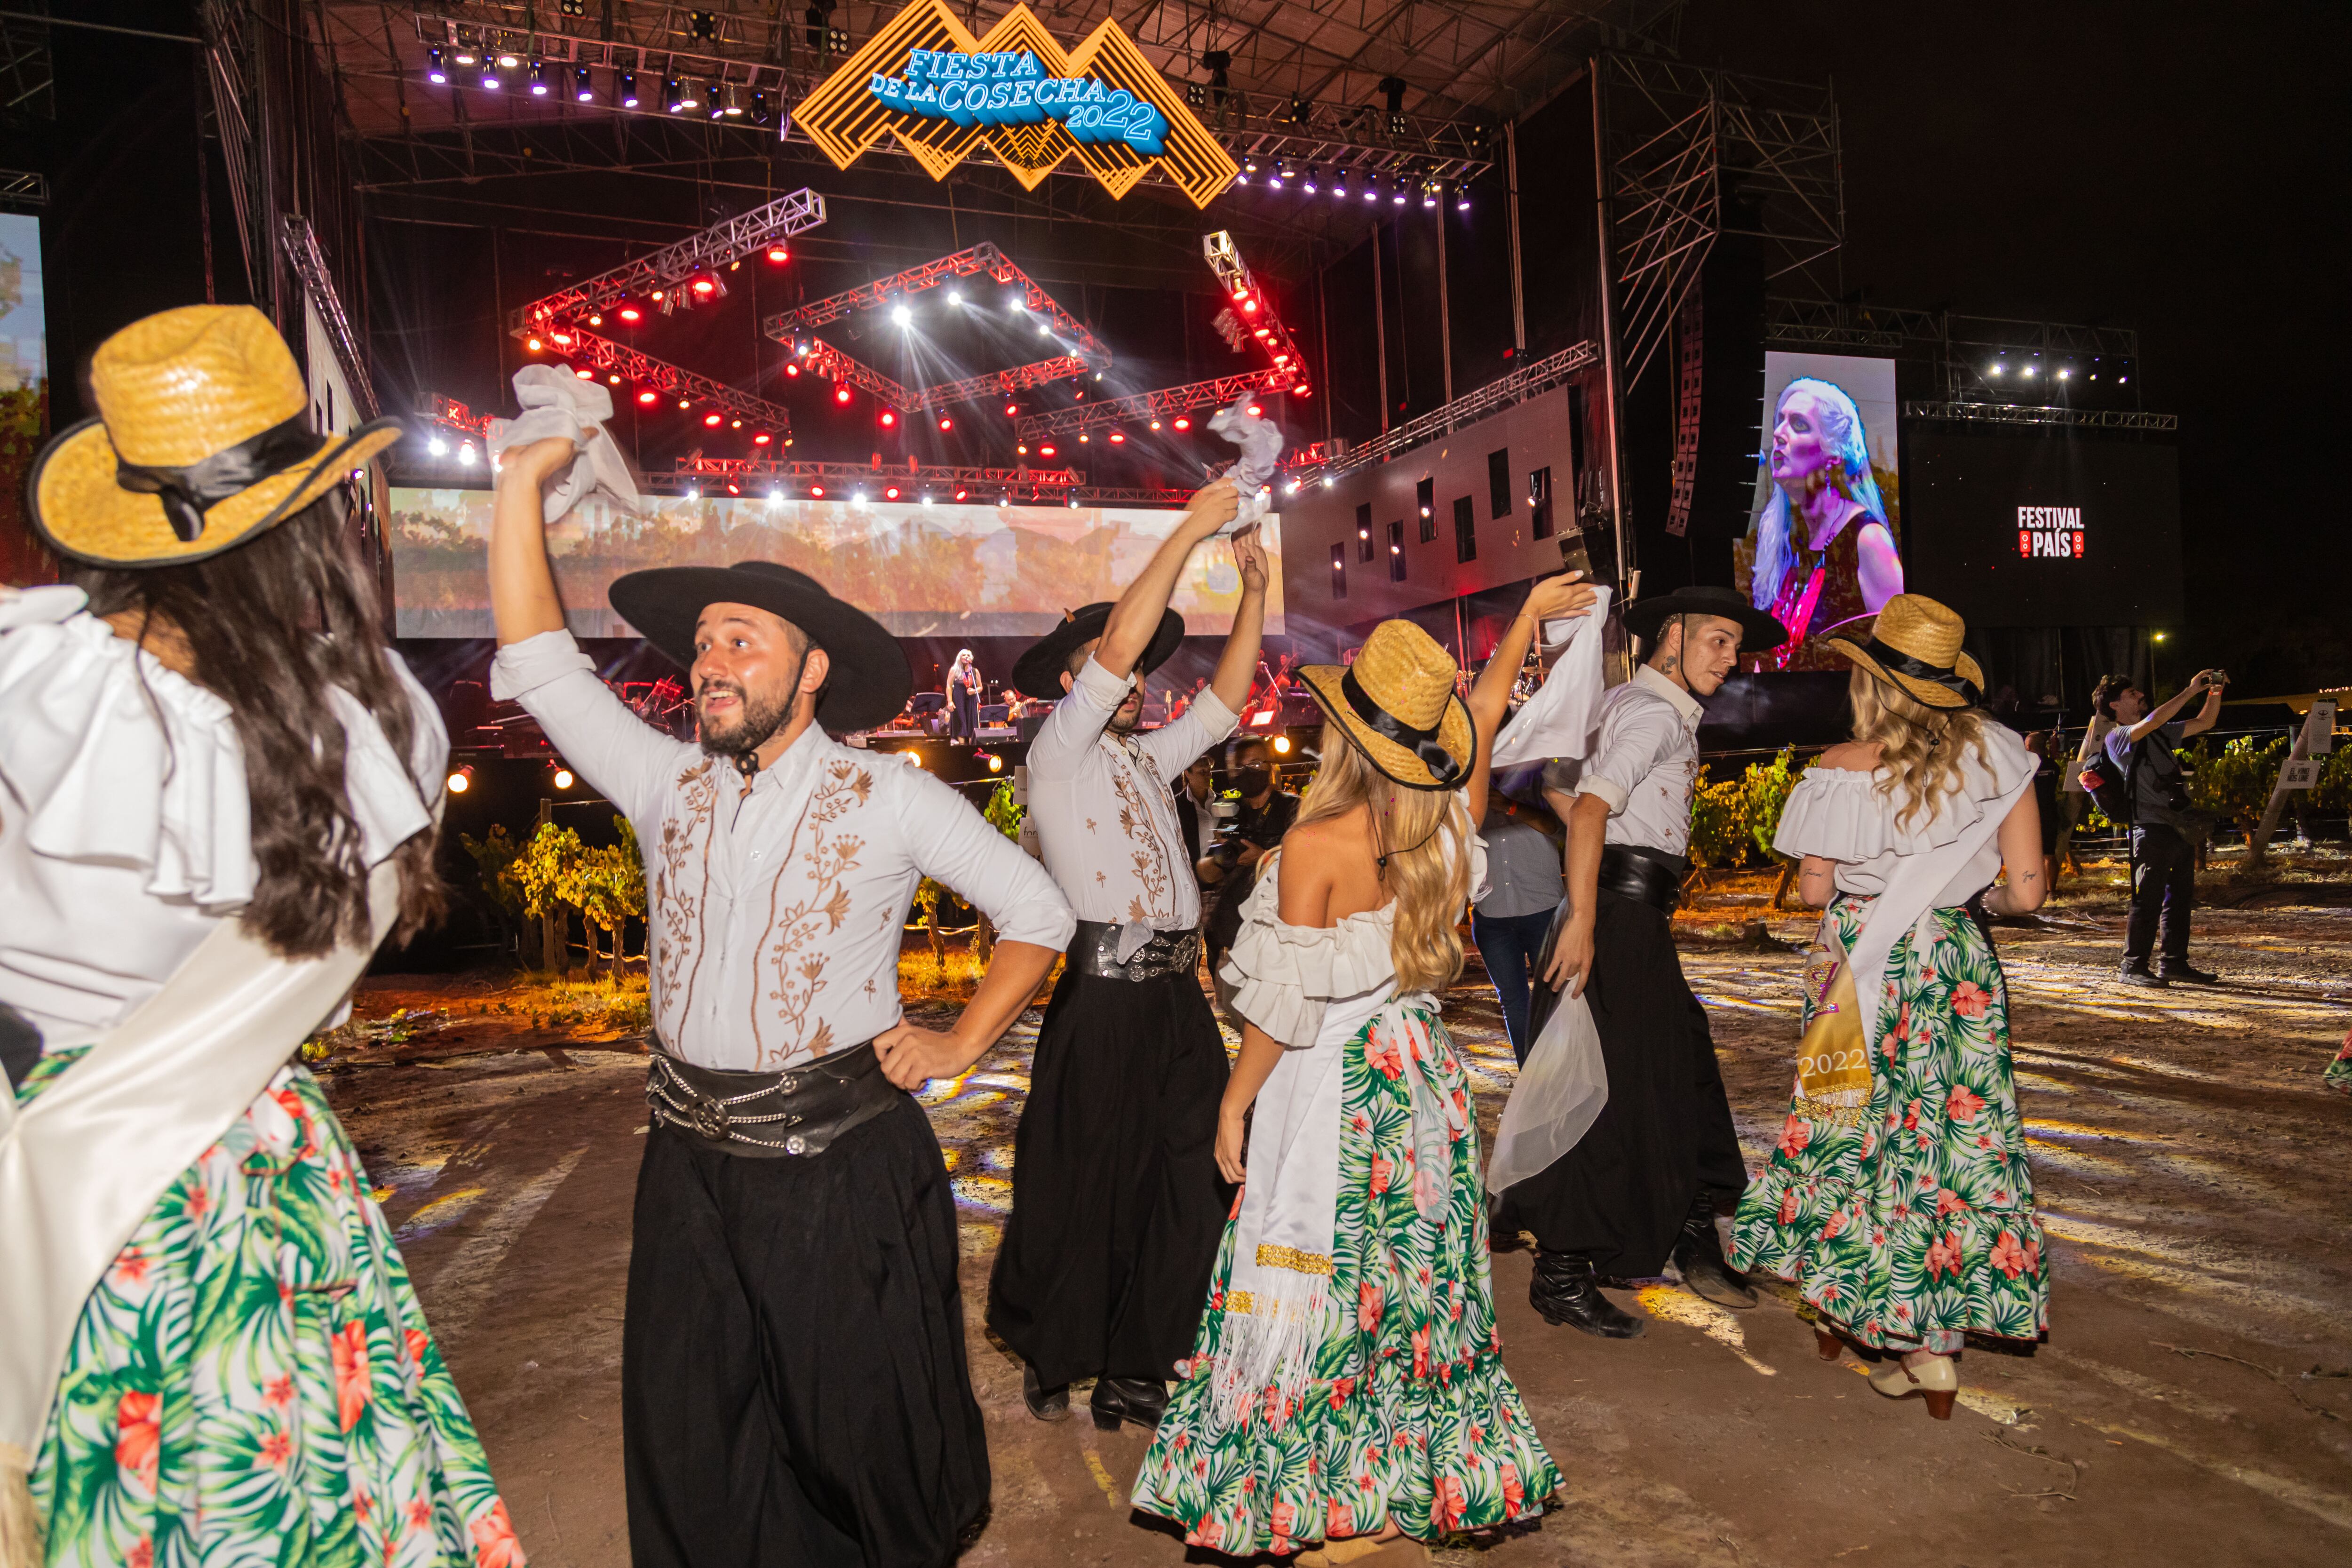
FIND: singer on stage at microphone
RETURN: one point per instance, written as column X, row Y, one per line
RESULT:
column 1824, row 551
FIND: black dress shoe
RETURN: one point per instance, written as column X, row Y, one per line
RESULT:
column 1138, row 1399
column 1565, row 1291
column 2140, row 975
column 2173, row 969
column 1699, row 1259
column 1044, row 1404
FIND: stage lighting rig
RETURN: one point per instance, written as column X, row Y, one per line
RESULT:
column 538, row 79
column 584, row 87
column 488, row 78
column 703, row 25
column 435, row 70
column 625, row 88
column 730, row 101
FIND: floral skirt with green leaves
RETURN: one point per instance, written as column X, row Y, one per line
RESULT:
column 1410, row 1418
column 2338, row 1075
column 1913, row 1224
column 252, row 1382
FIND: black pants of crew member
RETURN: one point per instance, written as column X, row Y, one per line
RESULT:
column 793, row 1388
column 1620, row 1197
column 2164, row 883
column 1116, row 1204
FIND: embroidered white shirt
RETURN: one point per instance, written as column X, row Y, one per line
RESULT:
column 1102, row 806
column 775, row 908
column 1645, row 762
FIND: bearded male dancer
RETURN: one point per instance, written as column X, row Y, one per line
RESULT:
column 1117, row 1203
column 794, row 1386
column 1642, row 1184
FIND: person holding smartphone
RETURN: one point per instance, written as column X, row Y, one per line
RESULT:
column 2143, row 745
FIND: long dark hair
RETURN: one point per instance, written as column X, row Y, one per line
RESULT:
column 273, row 626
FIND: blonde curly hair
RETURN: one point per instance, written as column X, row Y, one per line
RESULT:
column 1425, row 835
column 1921, row 748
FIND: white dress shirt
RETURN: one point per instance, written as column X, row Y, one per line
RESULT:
column 1646, row 761
column 775, row 908
column 1523, row 871
column 126, row 832
column 1101, row 803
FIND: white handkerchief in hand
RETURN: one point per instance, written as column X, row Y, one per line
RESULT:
column 1558, row 720
column 1260, row 440
column 555, row 403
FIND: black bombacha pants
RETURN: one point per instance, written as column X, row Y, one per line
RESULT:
column 793, row 1387
column 1620, row 1195
column 1117, row 1207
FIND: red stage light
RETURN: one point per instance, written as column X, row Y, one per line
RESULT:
column 1263, row 333
column 961, row 494
column 1013, row 408
column 732, row 489
column 1117, row 437
column 1240, row 293
column 658, row 296
column 889, row 417
column 704, row 285
column 710, row 419
column 1249, row 307
column 947, row 422
column 533, row 345
column 562, row 338
column 1300, row 390
column 631, row 314
column 841, row 395
column 585, row 375
column 762, row 440
column 817, row 491
column 777, row 254
column 890, row 492
column 1183, row 423
column 792, row 370
column 648, row 397
column 1045, row 452
column 1255, row 411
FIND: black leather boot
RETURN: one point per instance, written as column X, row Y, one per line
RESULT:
column 1565, row 1291
column 1138, row 1399
column 1044, row 1404
column 1699, row 1259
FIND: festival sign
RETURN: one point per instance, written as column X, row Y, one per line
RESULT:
column 944, row 94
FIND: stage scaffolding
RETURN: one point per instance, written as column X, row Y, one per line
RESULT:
column 1960, row 348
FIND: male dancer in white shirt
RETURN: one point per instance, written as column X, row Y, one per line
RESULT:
column 1117, row 1203
column 793, row 1385
column 1640, row 1186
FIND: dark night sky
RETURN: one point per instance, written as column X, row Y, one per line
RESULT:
column 2175, row 168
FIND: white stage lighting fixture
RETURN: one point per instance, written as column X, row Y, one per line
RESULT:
column 435, row 70
column 731, row 101
column 538, row 79
column 583, row 90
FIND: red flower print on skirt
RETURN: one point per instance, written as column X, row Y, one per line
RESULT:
column 1962, row 1104
column 137, row 1434
column 1795, row 1134
column 1368, row 1306
column 2007, row 1257
column 350, row 1348
column 1970, row 1000
column 1944, row 1256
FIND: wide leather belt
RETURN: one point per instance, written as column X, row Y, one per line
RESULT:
column 1095, row 951
column 1649, row 877
column 797, row 1112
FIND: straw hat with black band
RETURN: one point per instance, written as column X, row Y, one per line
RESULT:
column 1914, row 645
column 1398, row 704
column 868, row 683
column 1039, row 670
column 202, row 442
column 1759, row 630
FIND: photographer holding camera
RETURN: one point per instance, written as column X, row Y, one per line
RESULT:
column 1242, row 840
column 2165, row 828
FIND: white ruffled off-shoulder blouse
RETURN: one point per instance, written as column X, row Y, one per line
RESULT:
column 1287, row 978
column 1846, row 816
column 125, row 830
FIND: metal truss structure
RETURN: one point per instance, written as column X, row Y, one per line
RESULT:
column 1167, row 403
column 27, row 74
column 309, row 265
column 816, row 357
column 1256, row 310
column 662, row 270
column 586, row 350
column 1688, row 154
column 911, row 480
column 1974, row 413
column 22, row 188
column 982, row 257
column 1964, row 348
column 1529, row 381
column 435, row 409
column 1002, row 383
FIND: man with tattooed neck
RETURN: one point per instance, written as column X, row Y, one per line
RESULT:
column 794, row 1386
column 1117, row 1202
column 1641, row 1186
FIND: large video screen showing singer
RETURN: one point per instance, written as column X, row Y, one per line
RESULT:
column 1824, row 543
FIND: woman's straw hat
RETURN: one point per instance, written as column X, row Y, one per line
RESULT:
column 1914, row 645
column 201, row 441
column 1398, row 704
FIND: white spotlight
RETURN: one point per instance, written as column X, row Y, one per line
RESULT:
column 465, row 453
column 437, row 446
column 901, row 315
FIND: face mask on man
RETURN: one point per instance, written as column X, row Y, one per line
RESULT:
column 1253, row 780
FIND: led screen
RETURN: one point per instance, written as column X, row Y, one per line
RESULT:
column 1827, row 472
column 24, row 389
column 2046, row 531
column 939, row 569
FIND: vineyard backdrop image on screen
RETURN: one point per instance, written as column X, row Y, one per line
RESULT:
column 941, row 570
column 2044, row 530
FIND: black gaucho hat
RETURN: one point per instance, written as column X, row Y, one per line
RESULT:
column 1039, row 671
column 1759, row 630
column 869, row 682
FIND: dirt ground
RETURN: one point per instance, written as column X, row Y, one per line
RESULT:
column 2189, row 1405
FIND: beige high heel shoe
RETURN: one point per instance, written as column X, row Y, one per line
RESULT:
column 1936, row 1381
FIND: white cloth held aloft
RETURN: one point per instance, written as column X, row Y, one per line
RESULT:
column 1559, row 719
column 555, row 403
column 1260, row 440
